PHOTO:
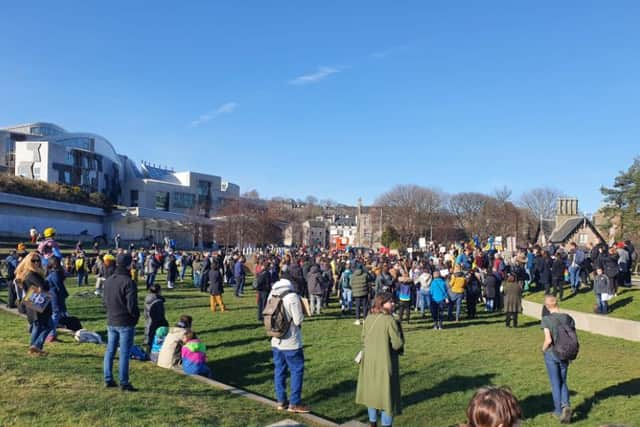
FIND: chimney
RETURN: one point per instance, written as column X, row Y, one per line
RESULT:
column 567, row 208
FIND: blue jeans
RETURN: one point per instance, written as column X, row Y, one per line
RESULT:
column 151, row 278
column 490, row 303
column 55, row 320
column 347, row 299
column 557, row 371
column 39, row 332
column 603, row 306
column 196, row 279
column 457, row 299
column 121, row 336
column 81, row 274
column 288, row 361
column 425, row 301
column 574, row 277
column 239, row 285
column 385, row 418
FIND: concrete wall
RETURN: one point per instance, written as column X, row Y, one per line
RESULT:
column 596, row 324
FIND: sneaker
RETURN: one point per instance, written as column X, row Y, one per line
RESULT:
column 357, row 322
column 299, row 409
column 128, row 387
column 565, row 417
column 110, row 384
column 97, row 293
column 282, row 406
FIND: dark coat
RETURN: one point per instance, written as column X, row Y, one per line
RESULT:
column 263, row 281
column 490, row 285
column 35, row 280
column 314, row 281
column 359, row 284
column 512, row 297
column 543, row 270
column 557, row 269
column 154, row 316
column 204, row 276
column 172, row 273
column 121, row 299
column 215, row 282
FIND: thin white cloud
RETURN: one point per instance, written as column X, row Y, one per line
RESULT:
column 321, row 74
column 226, row 108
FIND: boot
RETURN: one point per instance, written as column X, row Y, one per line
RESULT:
column 373, row 424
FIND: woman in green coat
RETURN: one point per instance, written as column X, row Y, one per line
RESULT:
column 379, row 377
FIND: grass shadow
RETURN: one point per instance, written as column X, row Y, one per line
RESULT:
column 452, row 384
column 627, row 388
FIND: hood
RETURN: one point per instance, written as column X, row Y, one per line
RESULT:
column 282, row 285
column 314, row 269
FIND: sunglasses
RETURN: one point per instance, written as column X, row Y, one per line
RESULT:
column 35, row 260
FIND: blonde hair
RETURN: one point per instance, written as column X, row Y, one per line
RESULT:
column 26, row 266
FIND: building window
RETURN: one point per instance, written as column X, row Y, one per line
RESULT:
column 583, row 238
column 184, row 200
column 66, row 177
column 36, row 172
column 134, row 198
column 162, row 200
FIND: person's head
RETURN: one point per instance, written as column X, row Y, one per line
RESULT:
column 49, row 233
column 53, row 264
column 31, row 263
column 436, row 274
column 155, row 289
column 383, row 303
column 599, row 270
column 551, row 302
column 124, row 260
column 185, row 321
column 494, row 407
column 189, row 335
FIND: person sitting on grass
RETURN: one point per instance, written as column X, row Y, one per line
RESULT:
column 154, row 315
column 158, row 340
column 493, row 407
column 169, row 356
column 194, row 355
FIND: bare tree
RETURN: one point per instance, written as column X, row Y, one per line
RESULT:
column 467, row 207
column 541, row 201
column 411, row 209
column 503, row 194
column 252, row 194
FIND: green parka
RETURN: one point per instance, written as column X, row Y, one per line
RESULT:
column 379, row 377
column 359, row 284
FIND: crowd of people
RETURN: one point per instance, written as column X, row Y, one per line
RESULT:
column 379, row 291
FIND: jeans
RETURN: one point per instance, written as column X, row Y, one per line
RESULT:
column 436, row 311
column 239, row 285
column 361, row 307
column 151, row 278
column 347, row 299
column 81, row 277
column 424, row 300
column 557, row 371
column 55, row 320
column 285, row 362
column 196, row 279
column 574, row 277
column 603, row 306
column 39, row 332
column 457, row 299
column 184, row 270
column 489, row 305
column 385, row 418
column 121, row 336
column 316, row 303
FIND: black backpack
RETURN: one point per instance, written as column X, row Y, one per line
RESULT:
column 565, row 345
column 276, row 322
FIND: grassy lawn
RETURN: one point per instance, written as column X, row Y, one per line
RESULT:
column 625, row 306
column 440, row 371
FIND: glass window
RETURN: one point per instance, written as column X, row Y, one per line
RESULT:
column 184, row 200
column 134, row 198
column 162, row 200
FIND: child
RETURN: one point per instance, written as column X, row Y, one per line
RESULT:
column 404, row 298
column 158, row 339
column 603, row 290
column 194, row 357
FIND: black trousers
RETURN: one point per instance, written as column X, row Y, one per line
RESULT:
column 361, row 307
column 557, row 287
column 510, row 317
column 13, row 296
column 404, row 307
column 262, row 301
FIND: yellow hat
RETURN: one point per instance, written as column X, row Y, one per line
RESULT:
column 49, row 232
column 108, row 257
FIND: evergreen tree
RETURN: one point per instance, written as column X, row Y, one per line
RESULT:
column 623, row 201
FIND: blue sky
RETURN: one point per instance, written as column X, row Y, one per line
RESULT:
column 340, row 99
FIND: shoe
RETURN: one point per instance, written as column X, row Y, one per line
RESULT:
column 299, row 409
column 565, row 417
column 128, row 387
column 357, row 322
column 110, row 384
column 282, row 406
column 435, row 327
column 33, row 351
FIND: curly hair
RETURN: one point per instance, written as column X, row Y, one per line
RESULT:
column 27, row 266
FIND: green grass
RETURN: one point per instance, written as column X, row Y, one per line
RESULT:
column 440, row 371
column 625, row 306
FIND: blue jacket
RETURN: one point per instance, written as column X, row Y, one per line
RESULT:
column 58, row 292
column 439, row 290
column 238, row 269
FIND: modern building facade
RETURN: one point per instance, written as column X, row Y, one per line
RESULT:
column 48, row 152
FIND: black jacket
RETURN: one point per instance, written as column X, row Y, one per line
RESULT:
column 263, row 281
column 153, row 316
column 121, row 299
column 37, row 281
column 557, row 269
column 215, row 282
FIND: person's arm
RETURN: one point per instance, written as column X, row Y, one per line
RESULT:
column 547, row 340
column 297, row 315
column 131, row 297
column 396, row 337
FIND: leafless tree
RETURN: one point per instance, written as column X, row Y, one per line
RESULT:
column 541, row 201
column 467, row 207
column 503, row 194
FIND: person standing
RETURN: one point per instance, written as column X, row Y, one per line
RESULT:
column 360, row 292
column 263, row 287
column 439, row 297
column 239, row 276
column 154, row 314
column 556, row 368
column 59, row 294
column 33, row 234
column 512, row 300
column 557, row 275
column 216, row 287
column 576, row 260
column 121, row 302
column 379, row 375
column 172, row 272
column 315, row 289
column 116, row 241
column 12, row 263
column 288, row 354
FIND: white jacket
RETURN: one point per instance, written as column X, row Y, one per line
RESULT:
column 292, row 340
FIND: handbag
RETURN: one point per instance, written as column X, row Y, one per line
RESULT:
column 36, row 301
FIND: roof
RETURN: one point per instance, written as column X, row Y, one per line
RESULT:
column 346, row 221
column 316, row 224
column 159, row 174
column 569, row 227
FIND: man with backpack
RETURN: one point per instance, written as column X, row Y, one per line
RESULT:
column 283, row 318
column 560, row 346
